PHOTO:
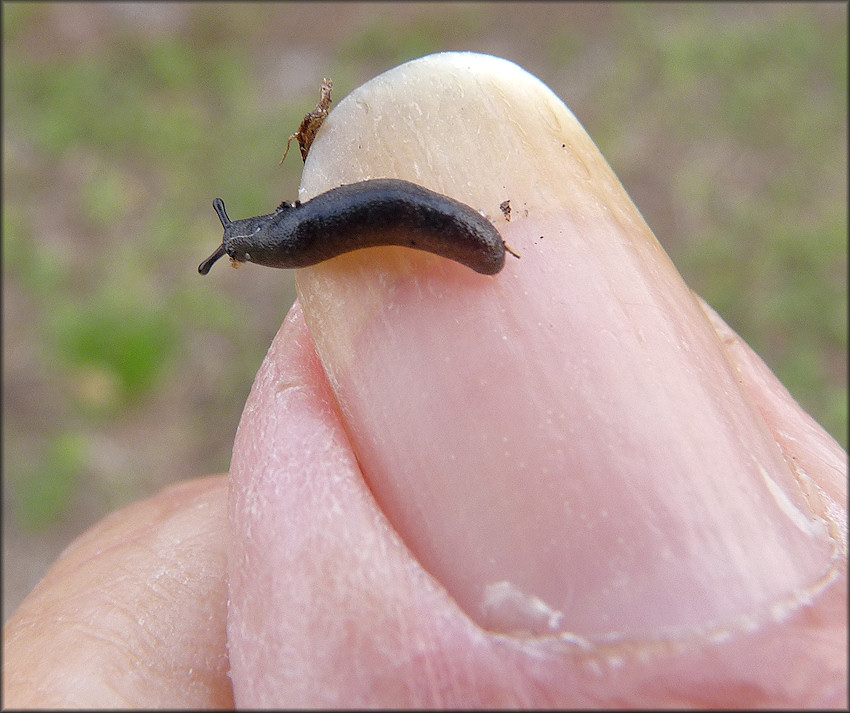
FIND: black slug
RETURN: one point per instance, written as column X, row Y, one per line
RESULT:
column 384, row 211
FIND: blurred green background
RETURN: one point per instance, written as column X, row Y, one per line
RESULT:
column 123, row 370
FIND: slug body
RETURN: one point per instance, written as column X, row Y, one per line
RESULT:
column 383, row 211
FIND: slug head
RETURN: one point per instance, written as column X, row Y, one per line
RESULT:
column 240, row 237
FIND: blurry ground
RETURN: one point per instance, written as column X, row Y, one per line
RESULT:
column 123, row 370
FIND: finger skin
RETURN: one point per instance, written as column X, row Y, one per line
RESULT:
column 132, row 614
column 328, row 607
column 805, row 443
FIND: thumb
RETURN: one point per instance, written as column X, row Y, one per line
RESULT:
column 553, row 472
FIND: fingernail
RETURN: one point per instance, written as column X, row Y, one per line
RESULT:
column 563, row 445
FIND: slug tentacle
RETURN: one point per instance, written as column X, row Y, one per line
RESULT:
column 218, row 204
column 205, row 266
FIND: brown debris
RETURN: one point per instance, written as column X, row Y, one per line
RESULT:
column 311, row 123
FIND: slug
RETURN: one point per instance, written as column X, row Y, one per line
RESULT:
column 384, row 211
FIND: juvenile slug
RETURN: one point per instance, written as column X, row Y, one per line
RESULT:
column 384, row 211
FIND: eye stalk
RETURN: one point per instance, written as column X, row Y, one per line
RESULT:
column 218, row 204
